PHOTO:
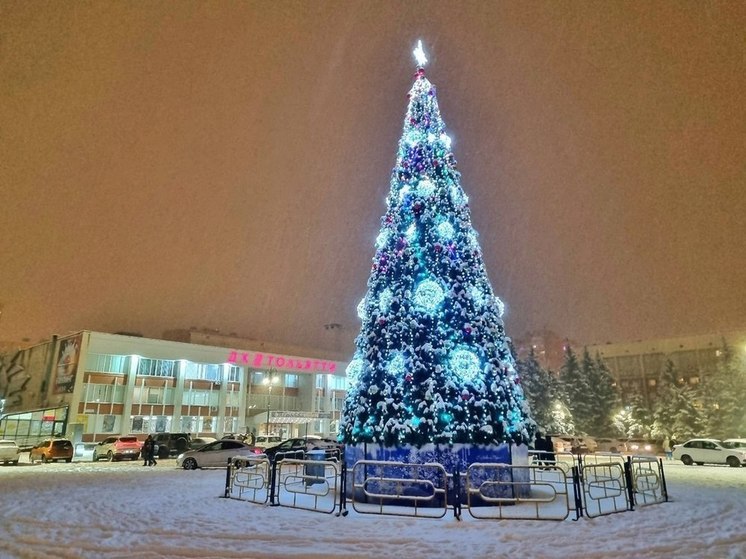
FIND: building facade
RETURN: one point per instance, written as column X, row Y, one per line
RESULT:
column 637, row 366
column 91, row 385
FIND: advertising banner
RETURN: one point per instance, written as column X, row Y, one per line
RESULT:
column 66, row 365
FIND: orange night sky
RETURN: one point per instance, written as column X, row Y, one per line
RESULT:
column 225, row 164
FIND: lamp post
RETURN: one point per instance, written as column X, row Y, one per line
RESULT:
column 269, row 381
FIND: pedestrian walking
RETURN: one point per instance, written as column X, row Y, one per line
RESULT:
column 147, row 450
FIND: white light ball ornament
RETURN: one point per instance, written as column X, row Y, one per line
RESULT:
column 383, row 238
column 361, row 313
column 500, row 306
column 412, row 232
column 412, row 137
column 354, row 370
column 384, row 300
column 458, row 196
column 425, row 188
column 397, row 365
column 465, row 364
column 477, row 295
column 428, row 295
column 445, row 230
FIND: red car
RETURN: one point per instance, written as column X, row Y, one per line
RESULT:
column 117, row 448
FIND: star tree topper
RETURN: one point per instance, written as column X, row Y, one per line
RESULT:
column 419, row 55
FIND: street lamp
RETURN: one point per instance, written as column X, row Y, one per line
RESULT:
column 269, row 381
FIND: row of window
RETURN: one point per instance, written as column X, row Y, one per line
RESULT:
column 122, row 364
column 652, row 364
column 96, row 394
column 653, row 383
column 160, row 424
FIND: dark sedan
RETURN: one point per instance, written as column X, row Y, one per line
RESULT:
column 298, row 447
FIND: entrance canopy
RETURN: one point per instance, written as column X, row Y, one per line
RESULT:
column 298, row 417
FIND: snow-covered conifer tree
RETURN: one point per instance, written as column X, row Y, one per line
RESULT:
column 432, row 362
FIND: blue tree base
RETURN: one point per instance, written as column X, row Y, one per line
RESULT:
column 456, row 458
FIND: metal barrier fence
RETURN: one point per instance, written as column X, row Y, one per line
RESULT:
column 604, row 487
column 251, row 476
column 649, row 483
column 493, row 493
column 399, row 489
column 589, row 485
column 307, row 484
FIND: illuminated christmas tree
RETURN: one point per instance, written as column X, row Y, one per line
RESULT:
column 432, row 364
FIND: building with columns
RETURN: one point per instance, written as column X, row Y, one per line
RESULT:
column 637, row 366
column 91, row 385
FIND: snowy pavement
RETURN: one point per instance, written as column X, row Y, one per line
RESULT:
column 123, row 510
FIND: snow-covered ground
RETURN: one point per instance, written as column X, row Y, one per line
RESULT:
column 124, row 510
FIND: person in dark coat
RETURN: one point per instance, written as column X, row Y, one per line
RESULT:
column 153, row 453
column 539, row 447
column 549, row 456
column 147, row 450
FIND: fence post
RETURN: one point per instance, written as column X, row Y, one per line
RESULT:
column 577, row 489
column 663, row 479
column 272, row 479
column 343, row 491
column 456, row 493
column 228, row 472
column 630, row 485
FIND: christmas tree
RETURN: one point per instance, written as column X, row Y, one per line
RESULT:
column 432, row 362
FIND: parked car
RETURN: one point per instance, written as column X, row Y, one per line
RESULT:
column 576, row 445
column 84, row 451
column 735, row 443
column 264, row 441
column 117, row 448
column 708, row 451
column 52, row 450
column 9, row 452
column 297, row 448
column 215, row 454
column 170, row 444
column 610, row 445
column 643, row 446
column 199, row 442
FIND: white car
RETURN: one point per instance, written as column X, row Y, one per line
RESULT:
column 215, row 455
column 708, row 451
column 9, row 452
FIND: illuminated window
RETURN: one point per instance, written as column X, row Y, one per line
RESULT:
column 156, row 367
column 337, row 383
column 107, row 363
